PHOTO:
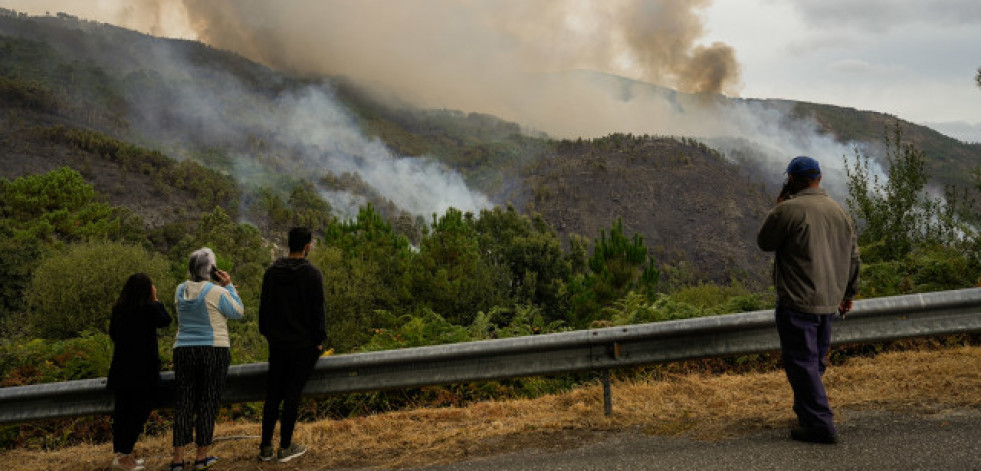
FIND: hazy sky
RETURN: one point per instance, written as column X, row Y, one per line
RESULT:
column 913, row 59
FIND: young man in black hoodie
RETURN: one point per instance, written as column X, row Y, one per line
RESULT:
column 291, row 317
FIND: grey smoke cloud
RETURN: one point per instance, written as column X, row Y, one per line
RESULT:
column 473, row 55
column 509, row 58
column 552, row 65
column 448, row 40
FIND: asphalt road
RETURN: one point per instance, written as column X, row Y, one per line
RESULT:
column 867, row 441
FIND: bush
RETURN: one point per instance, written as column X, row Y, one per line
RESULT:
column 635, row 308
column 39, row 361
column 426, row 328
column 74, row 291
column 927, row 269
column 722, row 298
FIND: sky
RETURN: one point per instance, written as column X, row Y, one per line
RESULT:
column 913, row 59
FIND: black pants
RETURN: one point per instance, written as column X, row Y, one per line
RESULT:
column 289, row 369
column 804, row 342
column 200, row 376
column 133, row 407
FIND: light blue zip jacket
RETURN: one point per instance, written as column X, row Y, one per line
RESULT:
column 202, row 311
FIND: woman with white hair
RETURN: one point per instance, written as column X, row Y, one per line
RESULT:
column 201, row 354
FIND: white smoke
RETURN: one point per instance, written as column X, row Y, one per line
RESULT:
column 778, row 137
column 329, row 141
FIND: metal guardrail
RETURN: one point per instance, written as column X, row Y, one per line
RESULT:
column 872, row 320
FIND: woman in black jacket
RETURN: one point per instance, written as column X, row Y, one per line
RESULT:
column 134, row 373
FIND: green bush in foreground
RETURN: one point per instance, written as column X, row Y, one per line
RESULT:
column 74, row 291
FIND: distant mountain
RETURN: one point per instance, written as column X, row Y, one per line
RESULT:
column 697, row 206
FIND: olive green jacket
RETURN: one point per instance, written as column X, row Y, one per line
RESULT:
column 816, row 263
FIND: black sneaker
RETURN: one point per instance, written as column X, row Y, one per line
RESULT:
column 266, row 453
column 804, row 435
column 295, row 450
column 206, row 463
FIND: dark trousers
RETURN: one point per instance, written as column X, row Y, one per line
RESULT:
column 200, row 376
column 804, row 342
column 289, row 369
column 133, row 407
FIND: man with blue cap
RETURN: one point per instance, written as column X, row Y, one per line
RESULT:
column 815, row 272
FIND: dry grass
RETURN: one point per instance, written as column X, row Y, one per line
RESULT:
column 700, row 406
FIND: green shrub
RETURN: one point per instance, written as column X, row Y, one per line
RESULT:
column 427, row 328
column 74, row 291
column 637, row 309
column 724, row 299
column 35, row 361
column 939, row 268
column 927, row 269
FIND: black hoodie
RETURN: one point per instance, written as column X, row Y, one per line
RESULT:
column 291, row 309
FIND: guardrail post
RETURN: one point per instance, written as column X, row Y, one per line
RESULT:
column 607, row 393
column 614, row 352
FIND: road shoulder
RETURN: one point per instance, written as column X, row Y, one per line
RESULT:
column 950, row 439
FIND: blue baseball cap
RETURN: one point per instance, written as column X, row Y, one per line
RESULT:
column 804, row 166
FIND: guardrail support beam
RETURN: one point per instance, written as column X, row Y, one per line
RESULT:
column 607, row 393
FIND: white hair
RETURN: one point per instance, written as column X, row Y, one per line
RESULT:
column 200, row 264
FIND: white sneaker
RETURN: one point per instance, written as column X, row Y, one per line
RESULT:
column 116, row 465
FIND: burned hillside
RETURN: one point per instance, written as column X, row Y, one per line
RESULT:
column 694, row 209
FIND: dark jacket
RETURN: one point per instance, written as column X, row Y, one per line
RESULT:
column 817, row 260
column 135, row 358
column 291, row 307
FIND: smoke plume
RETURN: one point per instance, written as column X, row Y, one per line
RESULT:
column 474, row 55
column 485, row 56
column 515, row 59
column 570, row 68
